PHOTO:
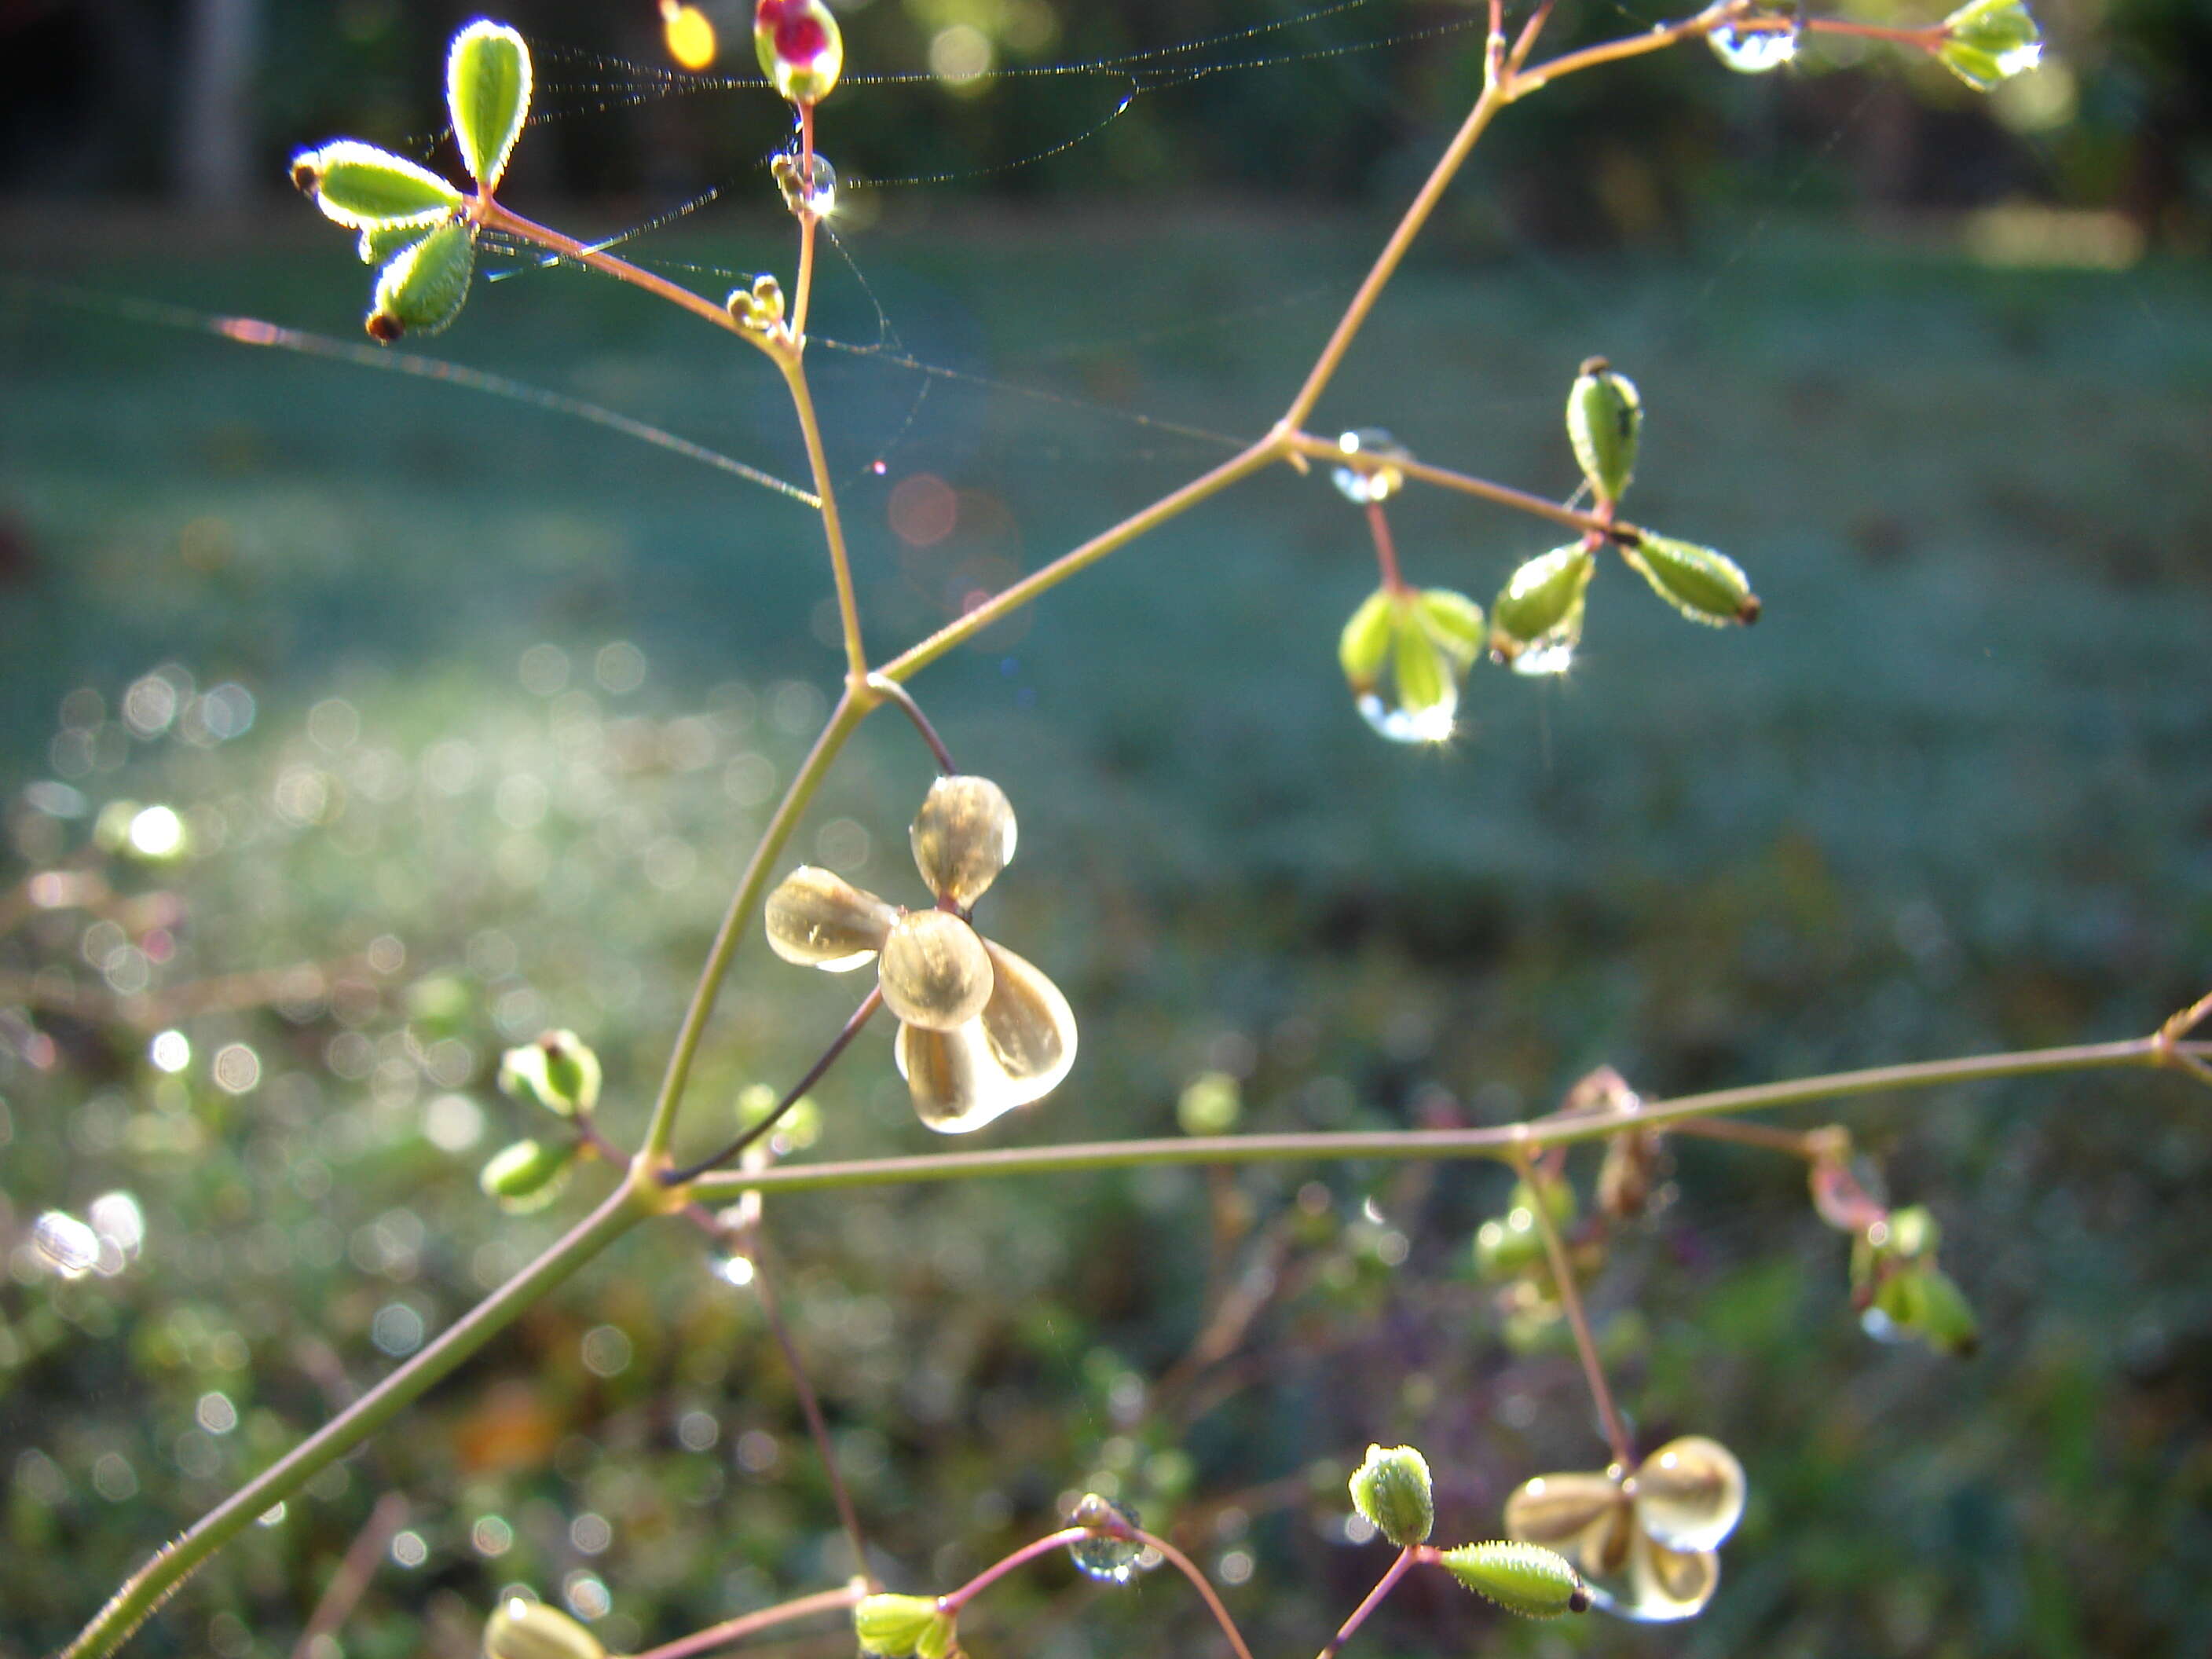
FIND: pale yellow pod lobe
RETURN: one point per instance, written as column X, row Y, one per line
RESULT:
column 936, row 973
column 963, row 836
column 819, row 920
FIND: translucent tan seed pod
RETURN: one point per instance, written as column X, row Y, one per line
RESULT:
column 963, row 836
column 531, row 1629
column 1561, row 1510
column 1029, row 1026
column 935, row 973
column 1690, row 1493
column 819, row 920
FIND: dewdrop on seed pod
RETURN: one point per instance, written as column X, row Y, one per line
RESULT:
column 1758, row 43
column 799, row 47
column 815, row 194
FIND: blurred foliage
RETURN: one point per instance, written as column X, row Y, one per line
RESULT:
column 477, row 716
column 2121, row 118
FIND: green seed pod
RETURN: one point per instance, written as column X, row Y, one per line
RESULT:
column 1537, row 620
column 1987, row 42
column 964, row 836
column 1946, row 1318
column 1393, row 1494
column 488, row 93
column 531, row 1629
column 422, row 289
column 935, row 972
column 1423, row 677
column 558, row 1072
column 1558, row 1196
column 892, row 1626
column 1912, row 1233
column 381, row 244
column 799, row 47
column 1605, row 418
column 357, row 185
column 527, row 1176
column 1523, row 1579
column 1210, row 1104
column 1704, row 585
column 1508, row 1248
column 1365, row 643
column 1453, row 622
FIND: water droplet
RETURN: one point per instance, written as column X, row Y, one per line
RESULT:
column 2020, row 59
column 817, row 194
column 1102, row 1556
column 1361, row 485
column 1754, row 51
column 734, row 1268
column 68, row 1246
column 1429, row 724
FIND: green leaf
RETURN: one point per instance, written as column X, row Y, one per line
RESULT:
column 1704, row 585
column 1523, row 1579
column 1987, row 42
column 1453, row 622
column 1365, row 643
column 488, row 91
column 1393, row 1494
column 422, row 290
column 1604, row 419
column 359, row 185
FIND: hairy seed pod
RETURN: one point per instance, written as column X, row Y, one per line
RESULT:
column 559, row 1071
column 1704, row 585
column 1538, row 615
column 521, row 1629
column 1364, row 644
column 1453, row 622
column 892, row 1626
column 424, row 287
column 1604, row 419
column 1987, row 42
column 936, row 973
column 488, row 93
column 963, row 836
column 819, row 920
column 1523, row 1579
column 358, row 186
column 1392, row 1491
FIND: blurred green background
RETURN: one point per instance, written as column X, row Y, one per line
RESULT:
column 468, row 712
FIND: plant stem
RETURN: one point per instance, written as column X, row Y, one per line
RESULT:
column 1570, row 1303
column 1384, row 1586
column 1305, row 443
column 849, row 713
column 833, row 529
column 1034, row 1550
column 1501, row 1141
column 803, row 285
column 1198, row 1582
column 1386, row 550
column 355, row 1569
column 152, row 1584
column 490, row 214
column 1247, row 461
column 1929, row 38
column 736, row 1630
column 1523, row 83
column 791, row 1095
column 810, row 1406
column 1494, row 98
column 1797, row 1144
column 892, row 691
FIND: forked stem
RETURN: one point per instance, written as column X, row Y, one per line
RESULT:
column 1570, row 1303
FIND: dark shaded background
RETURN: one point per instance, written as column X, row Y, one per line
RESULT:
column 514, row 693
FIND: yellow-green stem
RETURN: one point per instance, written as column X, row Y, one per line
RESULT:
column 152, row 1584
column 751, row 887
column 792, row 362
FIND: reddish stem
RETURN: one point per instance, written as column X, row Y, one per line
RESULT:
column 1386, row 550
column 955, row 1601
column 1384, row 1586
column 1929, row 38
column 736, row 1630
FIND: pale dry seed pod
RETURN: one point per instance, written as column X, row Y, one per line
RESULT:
column 521, row 1629
column 1690, row 1493
column 963, row 836
column 935, row 972
column 819, row 920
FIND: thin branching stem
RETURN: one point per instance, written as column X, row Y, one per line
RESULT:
column 793, row 366
column 1525, row 81
column 1592, row 524
column 891, row 691
column 803, row 285
column 493, row 216
column 1499, row 1142
column 791, row 1095
column 152, row 1584
column 1373, row 1600
column 751, row 888
column 732, row 1631
column 1570, row 1303
column 809, row 1404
